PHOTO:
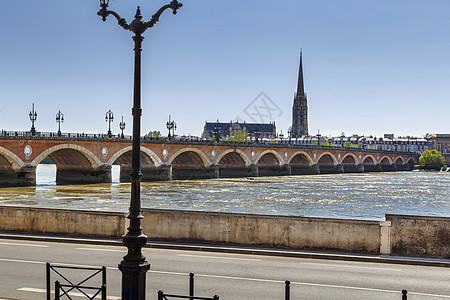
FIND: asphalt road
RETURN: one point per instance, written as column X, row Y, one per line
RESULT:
column 231, row 276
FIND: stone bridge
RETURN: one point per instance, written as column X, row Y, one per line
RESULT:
column 89, row 160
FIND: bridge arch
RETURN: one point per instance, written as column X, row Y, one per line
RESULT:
column 411, row 161
column 270, row 152
column 90, row 157
column 13, row 160
column 324, row 155
column 239, row 152
column 399, row 160
column 302, row 156
column 205, row 160
column 369, row 160
column 349, row 159
column 152, row 155
column 385, row 160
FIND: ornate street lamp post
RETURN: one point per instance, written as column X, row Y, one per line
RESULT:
column 109, row 118
column 33, row 117
column 290, row 134
column 59, row 120
column 171, row 126
column 122, row 127
column 257, row 134
column 216, row 130
column 134, row 265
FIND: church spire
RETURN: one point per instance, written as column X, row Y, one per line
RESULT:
column 300, row 108
column 300, row 86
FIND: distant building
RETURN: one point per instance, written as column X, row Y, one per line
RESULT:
column 440, row 142
column 263, row 130
column 300, row 108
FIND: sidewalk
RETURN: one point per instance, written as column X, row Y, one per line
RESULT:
column 390, row 259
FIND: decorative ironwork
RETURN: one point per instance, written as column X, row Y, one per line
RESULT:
column 122, row 127
column 171, row 126
column 33, row 117
column 69, row 286
column 59, row 120
column 109, row 118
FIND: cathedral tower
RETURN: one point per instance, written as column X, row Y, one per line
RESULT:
column 300, row 107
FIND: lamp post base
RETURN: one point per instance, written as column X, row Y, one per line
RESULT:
column 134, row 279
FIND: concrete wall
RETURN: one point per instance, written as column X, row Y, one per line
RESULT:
column 275, row 231
column 399, row 235
column 420, row 236
column 59, row 221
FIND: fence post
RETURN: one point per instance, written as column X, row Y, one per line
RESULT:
column 287, row 290
column 47, row 278
column 103, row 291
column 160, row 295
column 404, row 295
column 104, row 280
column 191, row 285
column 56, row 290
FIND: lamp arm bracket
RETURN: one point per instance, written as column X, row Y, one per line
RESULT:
column 121, row 21
column 174, row 5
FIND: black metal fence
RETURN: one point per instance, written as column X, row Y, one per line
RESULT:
column 64, row 289
column 163, row 296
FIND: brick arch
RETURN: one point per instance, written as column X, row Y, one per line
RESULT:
column 327, row 154
column 152, row 155
column 274, row 153
column 346, row 158
column 301, row 153
column 371, row 157
column 386, row 158
column 206, row 162
column 401, row 159
column 239, row 152
column 411, row 161
column 14, row 161
column 90, row 157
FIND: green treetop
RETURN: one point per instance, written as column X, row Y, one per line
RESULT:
column 431, row 159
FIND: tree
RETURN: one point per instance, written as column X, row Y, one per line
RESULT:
column 239, row 136
column 155, row 134
column 431, row 159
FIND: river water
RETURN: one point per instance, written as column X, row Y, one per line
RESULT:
column 347, row 196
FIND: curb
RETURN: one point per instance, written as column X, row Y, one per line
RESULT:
column 418, row 261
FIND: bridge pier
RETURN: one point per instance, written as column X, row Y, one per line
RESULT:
column 83, row 176
column 213, row 171
column 25, row 176
column 160, row 173
column 404, row 167
column 349, row 168
column 388, row 168
column 304, row 170
column 236, row 172
column 276, row 170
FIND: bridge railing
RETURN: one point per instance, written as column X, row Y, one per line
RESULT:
column 188, row 140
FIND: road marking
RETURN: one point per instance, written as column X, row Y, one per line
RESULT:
column 103, row 250
column 24, row 245
column 219, row 257
column 251, row 279
column 34, row 290
column 22, row 261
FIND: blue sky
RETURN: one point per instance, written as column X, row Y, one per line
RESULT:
column 370, row 67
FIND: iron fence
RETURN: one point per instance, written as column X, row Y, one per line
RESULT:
column 163, row 296
column 63, row 289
